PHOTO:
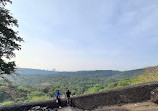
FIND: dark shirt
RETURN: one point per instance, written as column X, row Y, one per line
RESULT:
column 68, row 94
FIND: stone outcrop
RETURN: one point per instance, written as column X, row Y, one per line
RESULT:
column 154, row 96
column 27, row 106
column 38, row 108
column 118, row 96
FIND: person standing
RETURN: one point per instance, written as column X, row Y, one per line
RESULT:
column 58, row 98
column 68, row 93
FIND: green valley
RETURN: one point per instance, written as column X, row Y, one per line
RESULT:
column 35, row 85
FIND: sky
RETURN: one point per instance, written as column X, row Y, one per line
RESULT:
column 72, row 35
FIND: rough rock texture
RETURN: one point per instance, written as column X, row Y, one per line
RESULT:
column 70, row 109
column 143, row 106
column 125, row 95
column 154, row 96
column 38, row 108
column 27, row 106
column 114, row 110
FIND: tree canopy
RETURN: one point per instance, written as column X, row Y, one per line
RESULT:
column 9, row 39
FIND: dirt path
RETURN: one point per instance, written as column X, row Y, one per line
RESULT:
column 145, row 106
column 70, row 109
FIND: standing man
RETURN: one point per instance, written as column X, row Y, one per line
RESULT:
column 68, row 93
column 58, row 98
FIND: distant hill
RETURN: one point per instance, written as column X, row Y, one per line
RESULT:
column 134, row 80
column 149, row 74
column 36, row 76
column 28, row 71
column 136, row 72
column 95, row 73
column 144, row 78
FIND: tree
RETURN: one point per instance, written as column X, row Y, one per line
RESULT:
column 9, row 39
column 9, row 42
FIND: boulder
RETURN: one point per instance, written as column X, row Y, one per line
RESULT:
column 154, row 95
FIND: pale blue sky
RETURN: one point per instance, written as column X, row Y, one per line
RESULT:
column 72, row 35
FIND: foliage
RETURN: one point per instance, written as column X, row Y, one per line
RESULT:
column 134, row 80
column 8, row 102
column 144, row 78
column 95, row 88
column 36, row 96
column 9, row 42
column 8, row 39
column 40, row 98
column 124, row 82
column 44, row 87
column 4, row 97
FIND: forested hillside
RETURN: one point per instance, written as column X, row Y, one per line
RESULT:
column 36, row 77
column 34, row 85
column 27, row 71
column 129, row 81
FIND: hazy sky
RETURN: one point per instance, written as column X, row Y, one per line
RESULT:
column 74, row 35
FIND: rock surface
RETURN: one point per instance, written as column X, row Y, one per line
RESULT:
column 154, row 96
column 70, row 109
column 124, row 95
column 144, row 106
column 38, row 108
